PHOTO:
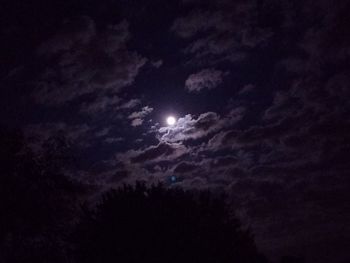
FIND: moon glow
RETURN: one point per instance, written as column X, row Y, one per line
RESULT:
column 171, row 120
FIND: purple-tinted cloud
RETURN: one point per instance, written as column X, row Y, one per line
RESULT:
column 204, row 79
column 162, row 151
column 137, row 117
column 86, row 60
column 188, row 127
column 224, row 33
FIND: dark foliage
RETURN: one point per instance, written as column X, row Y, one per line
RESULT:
column 292, row 259
column 37, row 201
column 155, row 224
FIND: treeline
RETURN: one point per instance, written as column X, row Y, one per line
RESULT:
column 43, row 216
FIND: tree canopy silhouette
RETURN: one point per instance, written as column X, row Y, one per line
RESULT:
column 36, row 199
column 155, row 224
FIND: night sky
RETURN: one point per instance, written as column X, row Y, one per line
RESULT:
column 259, row 90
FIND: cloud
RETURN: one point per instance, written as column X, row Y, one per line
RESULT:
column 185, row 167
column 226, row 32
column 157, row 63
column 247, row 88
column 204, row 79
column 161, row 152
column 114, row 140
column 106, row 103
column 138, row 116
column 253, row 136
column 224, row 161
column 100, row 104
column 130, row 104
column 103, row 132
column 141, row 114
column 199, row 21
column 136, row 122
column 78, row 134
column 80, row 59
column 188, row 127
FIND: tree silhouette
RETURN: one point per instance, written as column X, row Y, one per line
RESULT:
column 36, row 200
column 292, row 259
column 154, row 224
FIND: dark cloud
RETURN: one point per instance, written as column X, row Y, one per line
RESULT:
column 80, row 59
column 157, row 63
column 77, row 134
column 204, row 79
column 114, row 140
column 162, row 151
column 112, row 104
column 100, row 104
column 103, row 132
column 223, row 33
column 224, row 161
column 185, row 167
column 199, row 21
column 247, row 88
column 130, row 104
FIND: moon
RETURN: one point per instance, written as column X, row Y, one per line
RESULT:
column 171, row 120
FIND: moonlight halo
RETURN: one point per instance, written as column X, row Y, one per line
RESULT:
column 171, row 120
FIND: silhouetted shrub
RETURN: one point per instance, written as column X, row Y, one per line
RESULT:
column 156, row 224
column 292, row 259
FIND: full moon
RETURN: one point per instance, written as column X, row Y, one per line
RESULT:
column 171, row 120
